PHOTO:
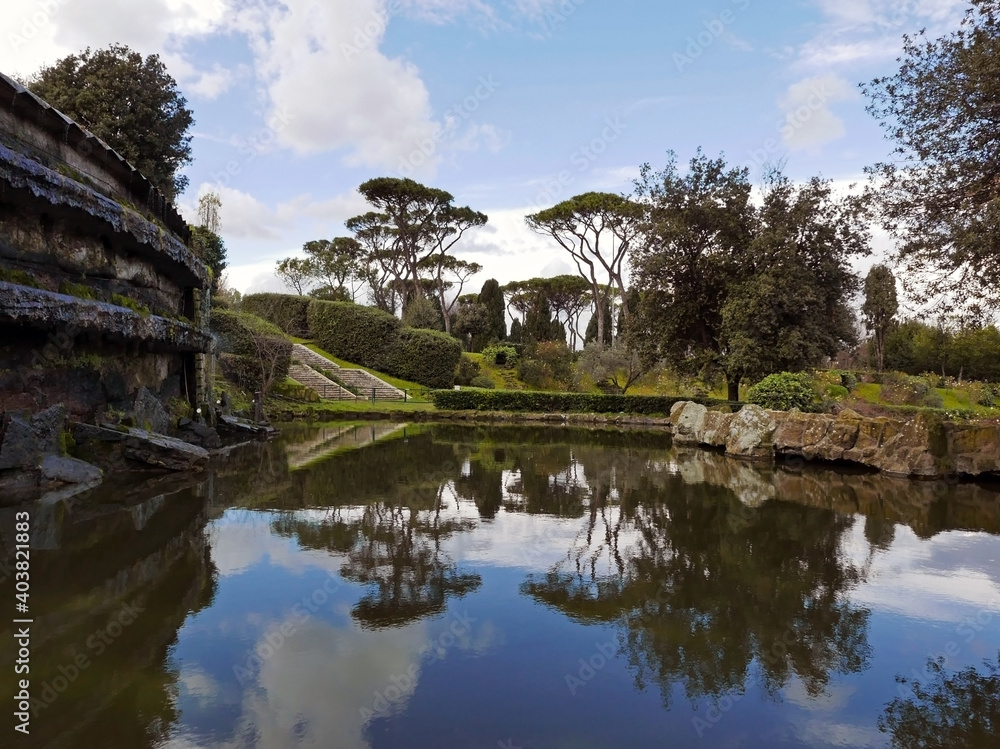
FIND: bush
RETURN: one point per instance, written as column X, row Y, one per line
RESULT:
column 783, row 392
column 902, row 390
column 253, row 352
column 848, row 380
column 559, row 359
column 287, row 311
column 481, row 381
column 501, row 355
column 520, row 400
column 424, row 356
column 361, row 335
column 535, row 373
column 467, row 369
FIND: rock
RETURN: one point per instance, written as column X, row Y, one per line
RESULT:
column 48, row 426
column 198, row 434
column 975, row 450
column 15, row 484
column 164, row 452
column 69, row 470
column 750, row 434
column 149, row 413
column 688, row 420
column 715, row 431
column 18, row 444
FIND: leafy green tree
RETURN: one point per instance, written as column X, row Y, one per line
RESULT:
column 296, row 273
column 880, row 307
column 698, row 226
column 598, row 230
column 412, row 224
column 789, row 307
column 610, row 367
column 334, row 265
column 538, row 326
column 423, row 313
column 472, row 324
column 128, row 101
column 939, row 194
column 516, row 332
column 210, row 247
column 491, row 298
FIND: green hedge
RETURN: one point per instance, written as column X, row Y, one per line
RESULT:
column 425, row 356
column 537, row 402
column 361, row 335
column 244, row 339
column 287, row 311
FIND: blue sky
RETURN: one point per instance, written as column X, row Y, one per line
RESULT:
column 510, row 105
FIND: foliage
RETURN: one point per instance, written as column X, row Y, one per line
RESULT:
column 495, row 330
column 783, row 392
column 501, row 355
column 211, row 249
column 938, row 193
column 558, row 360
column 209, row 206
column 467, row 369
column 598, row 230
column 902, row 390
column 791, row 307
column 362, row 335
column 539, row 402
column 428, row 357
column 296, row 273
column 915, row 347
column 471, row 324
column 961, row 709
column 423, row 313
column 257, row 354
column 592, row 326
column 610, row 367
column 516, row 334
column 879, row 309
column 747, row 289
column 482, row 382
column 128, row 101
column 287, row 311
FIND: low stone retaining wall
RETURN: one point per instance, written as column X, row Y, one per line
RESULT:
column 922, row 447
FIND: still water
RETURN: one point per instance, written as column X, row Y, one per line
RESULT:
column 380, row 587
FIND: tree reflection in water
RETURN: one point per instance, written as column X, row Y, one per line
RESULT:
column 703, row 587
column 958, row 710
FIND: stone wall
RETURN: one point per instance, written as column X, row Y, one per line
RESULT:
column 922, row 447
column 100, row 294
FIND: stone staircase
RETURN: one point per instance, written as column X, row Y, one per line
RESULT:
column 359, row 379
column 332, row 440
column 325, row 387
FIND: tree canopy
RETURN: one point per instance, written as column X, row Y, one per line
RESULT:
column 129, row 101
column 939, row 193
column 880, row 307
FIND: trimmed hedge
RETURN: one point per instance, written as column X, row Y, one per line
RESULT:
column 425, row 356
column 243, row 339
column 378, row 340
column 361, row 335
column 289, row 312
column 537, row 402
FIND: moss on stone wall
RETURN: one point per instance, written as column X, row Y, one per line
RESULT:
column 11, row 275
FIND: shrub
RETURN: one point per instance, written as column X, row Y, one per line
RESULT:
column 287, row 311
column 255, row 353
column 424, row 356
column 902, row 390
column 467, row 369
column 559, row 359
column 783, row 392
column 481, row 381
column 522, row 400
column 848, row 380
column 535, row 373
column 501, row 355
column 361, row 335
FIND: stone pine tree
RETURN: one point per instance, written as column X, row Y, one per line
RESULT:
column 129, row 101
column 879, row 309
column 939, row 193
column 593, row 328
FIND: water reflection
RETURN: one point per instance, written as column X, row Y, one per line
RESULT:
column 465, row 570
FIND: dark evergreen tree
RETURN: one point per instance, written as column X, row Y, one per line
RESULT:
column 491, row 297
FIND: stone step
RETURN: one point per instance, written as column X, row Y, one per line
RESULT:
column 363, row 381
column 323, row 386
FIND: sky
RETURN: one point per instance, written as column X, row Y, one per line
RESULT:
column 509, row 105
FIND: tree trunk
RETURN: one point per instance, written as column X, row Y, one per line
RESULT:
column 733, row 388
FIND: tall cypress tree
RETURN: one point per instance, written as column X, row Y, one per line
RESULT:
column 491, row 297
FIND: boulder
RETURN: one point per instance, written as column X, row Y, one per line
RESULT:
column 198, row 434
column 750, row 434
column 69, row 470
column 688, row 420
column 975, row 450
column 149, row 413
column 161, row 451
column 18, row 444
column 48, row 426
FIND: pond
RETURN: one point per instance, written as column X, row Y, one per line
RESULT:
column 381, row 586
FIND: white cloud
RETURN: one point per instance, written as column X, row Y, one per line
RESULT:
column 809, row 122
